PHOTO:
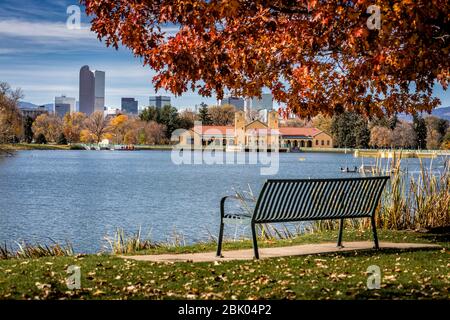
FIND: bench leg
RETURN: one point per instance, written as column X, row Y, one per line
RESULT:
column 219, row 240
column 255, row 243
column 374, row 230
column 341, row 229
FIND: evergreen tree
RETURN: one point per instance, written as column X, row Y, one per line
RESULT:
column 420, row 127
column 203, row 115
column 150, row 114
column 62, row 139
column 393, row 122
column 362, row 133
column 169, row 117
column 40, row 139
column 28, row 129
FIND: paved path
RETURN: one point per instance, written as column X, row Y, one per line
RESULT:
column 299, row 250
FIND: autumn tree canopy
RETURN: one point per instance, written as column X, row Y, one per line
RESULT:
column 316, row 56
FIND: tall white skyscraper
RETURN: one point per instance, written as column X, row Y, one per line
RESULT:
column 266, row 102
column 99, row 90
column 92, row 90
column 64, row 105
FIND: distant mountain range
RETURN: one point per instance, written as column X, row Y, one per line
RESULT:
column 442, row 112
column 29, row 105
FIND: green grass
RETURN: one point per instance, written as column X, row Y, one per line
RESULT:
column 405, row 274
column 32, row 146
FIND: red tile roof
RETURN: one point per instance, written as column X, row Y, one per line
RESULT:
column 212, row 130
column 284, row 131
column 292, row 131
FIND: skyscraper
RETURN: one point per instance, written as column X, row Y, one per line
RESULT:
column 159, row 101
column 92, row 90
column 266, row 102
column 64, row 105
column 99, row 90
column 129, row 105
column 237, row 102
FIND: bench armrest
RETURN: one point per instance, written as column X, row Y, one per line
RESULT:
column 234, row 197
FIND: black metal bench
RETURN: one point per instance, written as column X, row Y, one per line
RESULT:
column 310, row 199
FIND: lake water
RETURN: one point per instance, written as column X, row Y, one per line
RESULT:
column 82, row 196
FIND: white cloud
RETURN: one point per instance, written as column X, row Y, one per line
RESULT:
column 7, row 51
column 43, row 30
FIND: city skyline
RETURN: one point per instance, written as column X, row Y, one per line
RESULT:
column 43, row 58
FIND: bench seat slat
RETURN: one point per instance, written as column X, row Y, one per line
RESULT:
column 290, row 200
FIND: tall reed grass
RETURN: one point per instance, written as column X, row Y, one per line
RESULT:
column 416, row 201
column 31, row 251
column 122, row 243
column 411, row 200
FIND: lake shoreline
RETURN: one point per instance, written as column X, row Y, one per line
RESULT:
column 56, row 147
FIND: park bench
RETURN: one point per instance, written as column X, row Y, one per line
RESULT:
column 309, row 199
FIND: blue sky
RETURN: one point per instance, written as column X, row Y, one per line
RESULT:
column 40, row 55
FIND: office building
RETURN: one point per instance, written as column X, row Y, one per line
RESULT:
column 238, row 103
column 99, row 104
column 129, row 106
column 33, row 113
column 64, row 105
column 263, row 103
column 92, row 90
column 159, row 101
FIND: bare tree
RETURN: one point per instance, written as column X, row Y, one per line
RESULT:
column 50, row 125
column 97, row 125
column 380, row 137
column 222, row 115
column 10, row 118
column 404, row 136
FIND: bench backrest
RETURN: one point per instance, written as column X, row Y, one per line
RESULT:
column 313, row 199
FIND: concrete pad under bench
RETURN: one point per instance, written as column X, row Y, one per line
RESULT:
column 277, row 252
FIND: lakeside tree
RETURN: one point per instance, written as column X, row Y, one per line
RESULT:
column 420, row 128
column 436, row 130
column 73, row 124
column 323, row 123
column 170, row 119
column 203, row 115
column 120, row 126
column 350, row 130
column 187, row 119
column 446, row 141
column 222, row 115
column 308, row 53
column 40, row 139
column 381, row 137
column 62, row 139
column 362, row 133
column 403, row 135
column 154, row 133
column 150, row 114
column 96, row 127
column 28, row 129
column 50, row 125
column 10, row 119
